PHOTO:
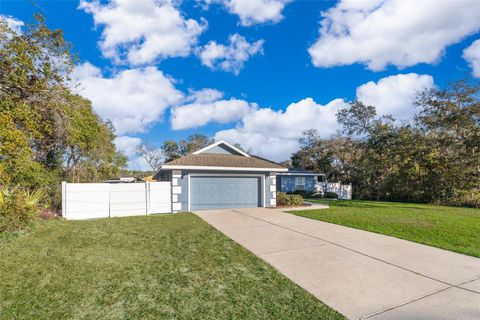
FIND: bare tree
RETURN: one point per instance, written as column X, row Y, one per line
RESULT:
column 151, row 154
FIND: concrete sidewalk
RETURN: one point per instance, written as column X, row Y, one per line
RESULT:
column 359, row 273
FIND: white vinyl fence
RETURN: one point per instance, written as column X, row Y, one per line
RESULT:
column 102, row 200
column 344, row 191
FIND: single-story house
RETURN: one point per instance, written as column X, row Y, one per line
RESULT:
column 299, row 180
column 221, row 176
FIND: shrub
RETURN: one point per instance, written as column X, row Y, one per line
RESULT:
column 470, row 198
column 304, row 194
column 18, row 208
column 289, row 200
column 330, row 195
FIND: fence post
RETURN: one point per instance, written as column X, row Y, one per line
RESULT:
column 64, row 199
column 147, row 197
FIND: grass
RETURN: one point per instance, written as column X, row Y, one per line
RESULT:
column 450, row 228
column 152, row 267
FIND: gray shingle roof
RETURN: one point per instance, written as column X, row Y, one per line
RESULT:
column 224, row 160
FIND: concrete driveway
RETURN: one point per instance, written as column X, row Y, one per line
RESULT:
column 361, row 274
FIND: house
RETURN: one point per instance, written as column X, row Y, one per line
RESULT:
column 221, row 176
column 299, row 180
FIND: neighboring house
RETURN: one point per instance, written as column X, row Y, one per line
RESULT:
column 221, row 176
column 298, row 180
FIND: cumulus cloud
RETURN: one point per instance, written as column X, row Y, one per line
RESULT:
column 132, row 99
column 472, row 55
column 207, row 107
column 394, row 94
column 398, row 32
column 128, row 146
column 143, row 31
column 253, row 12
column 13, row 23
column 231, row 57
column 274, row 133
column 204, row 95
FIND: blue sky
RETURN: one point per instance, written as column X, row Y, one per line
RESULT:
column 255, row 72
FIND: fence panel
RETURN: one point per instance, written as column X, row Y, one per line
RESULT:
column 160, row 197
column 102, row 200
column 86, row 200
column 128, row 199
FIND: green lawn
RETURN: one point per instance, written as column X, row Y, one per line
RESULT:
column 152, row 267
column 450, row 228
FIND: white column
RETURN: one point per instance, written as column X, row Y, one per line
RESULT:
column 176, row 190
column 273, row 189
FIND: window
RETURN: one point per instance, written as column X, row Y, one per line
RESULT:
column 299, row 183
column 320, row 178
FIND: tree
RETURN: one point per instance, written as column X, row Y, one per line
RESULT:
column 47, row 133
column 432, row 158
column 173, row 150
column 450, row 121
column 194, row 142
column 152, row 155
column 332, row 156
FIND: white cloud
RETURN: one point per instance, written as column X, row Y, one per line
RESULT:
column 231, row 57
column 128, row 146
column 143, row 30
column 472, row 55
column 394, row 94
column 132, row 99
column 398, row 32
column 204, row 95
column 253, row 12
column 13, row 23
column 206, row 108
column 274, row 134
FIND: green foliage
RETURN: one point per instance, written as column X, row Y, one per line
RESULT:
column 433, row 158
column 47, row 133
column 289, row 200
column 173, row 150
column 18, row 208
column 330, row 195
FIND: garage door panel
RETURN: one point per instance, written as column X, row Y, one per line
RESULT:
column 208, row 192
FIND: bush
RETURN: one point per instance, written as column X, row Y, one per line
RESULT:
column 464, row 198
column 289, row 200
column 330, row 195
column 304, row 194
column 18, row 208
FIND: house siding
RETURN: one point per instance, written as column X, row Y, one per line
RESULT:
column 221, row 150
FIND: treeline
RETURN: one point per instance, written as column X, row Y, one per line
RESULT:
column 431, row 158
column 47, row 133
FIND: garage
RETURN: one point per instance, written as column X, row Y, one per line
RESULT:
column 217, row 192
column 220, row 176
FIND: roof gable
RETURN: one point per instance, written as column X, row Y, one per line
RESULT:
column 222, row 147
